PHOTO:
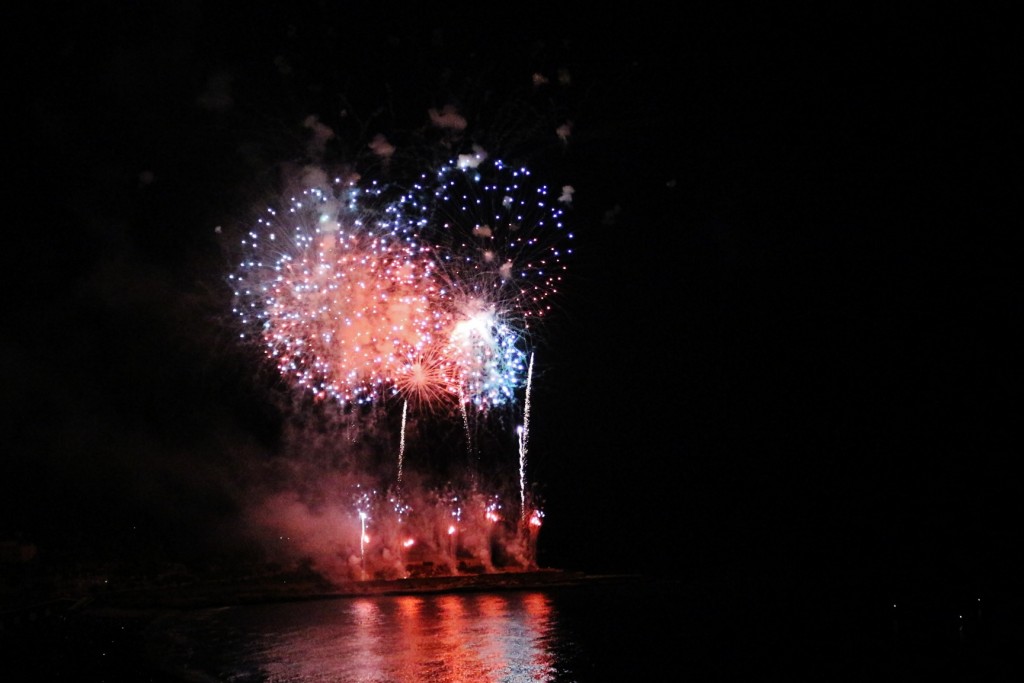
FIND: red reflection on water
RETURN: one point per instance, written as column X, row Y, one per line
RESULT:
column 367, row 617
column 473, row 638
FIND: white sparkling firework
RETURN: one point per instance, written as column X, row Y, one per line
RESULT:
column 401, row 443
column 499, row 241
column 430, row 297
column 341, row 305
column 524, row 433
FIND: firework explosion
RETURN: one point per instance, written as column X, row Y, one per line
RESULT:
column 429, row 297
column 426, row 296
column 491, row 232
column 342, row 307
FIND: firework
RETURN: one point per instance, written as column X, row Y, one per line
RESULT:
column 430, row 296
column 499, row 242
column 341, row 306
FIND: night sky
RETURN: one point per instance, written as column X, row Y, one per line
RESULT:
column 785, row 345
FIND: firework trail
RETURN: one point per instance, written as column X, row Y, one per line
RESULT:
column 401, row 443
column 524, row 433
column 465, row 426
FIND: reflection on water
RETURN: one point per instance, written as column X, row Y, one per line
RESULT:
column 605, row 632
column 500, row 637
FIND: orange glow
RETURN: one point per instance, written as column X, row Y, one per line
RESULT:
column 485, row 637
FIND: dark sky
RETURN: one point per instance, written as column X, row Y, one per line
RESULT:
column 785, row 340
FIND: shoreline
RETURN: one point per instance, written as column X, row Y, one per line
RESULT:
column 291, row 588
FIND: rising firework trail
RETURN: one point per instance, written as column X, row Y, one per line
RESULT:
column 362, row 542
column 465, row 426
column 524, row 433
column 401, row 442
